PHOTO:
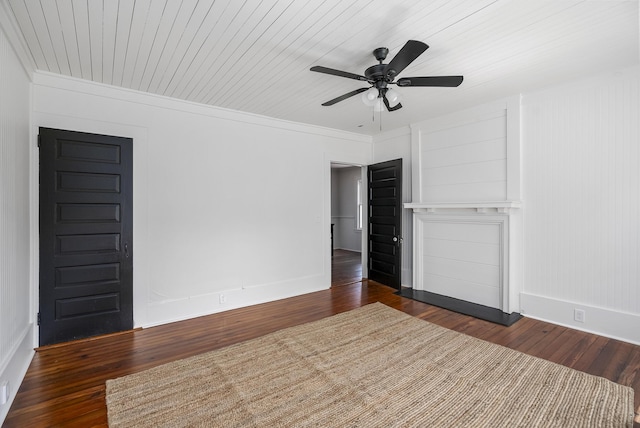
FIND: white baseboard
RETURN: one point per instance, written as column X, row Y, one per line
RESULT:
column 604, row 322
column 407, row 278
column 348, row 249
column 168, row 311
column 16, row 367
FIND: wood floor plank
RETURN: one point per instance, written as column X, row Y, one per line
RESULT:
column 65, row 386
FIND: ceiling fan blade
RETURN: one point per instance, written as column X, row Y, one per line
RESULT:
column 389, row 108
column 409, row 52
column 448, row 81
column 344, row 97
column 339, row 73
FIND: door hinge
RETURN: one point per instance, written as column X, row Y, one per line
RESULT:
column 38, row 318
column 38, row 141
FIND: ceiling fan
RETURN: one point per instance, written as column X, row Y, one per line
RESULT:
column 380, row 76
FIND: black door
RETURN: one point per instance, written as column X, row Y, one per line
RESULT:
column 385, row 220
column 86, row 259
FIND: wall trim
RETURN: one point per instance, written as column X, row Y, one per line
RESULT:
column 82, row 86
column 169, row 311
column 357, row 161
column 604, row 322
column 348, row 249
column 16, row 367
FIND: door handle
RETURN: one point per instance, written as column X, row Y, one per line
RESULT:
column 126, row 250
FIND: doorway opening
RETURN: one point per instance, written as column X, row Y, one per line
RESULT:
column 348, row 194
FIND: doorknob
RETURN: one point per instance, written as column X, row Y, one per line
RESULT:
column 126, row 250
column 395, row 239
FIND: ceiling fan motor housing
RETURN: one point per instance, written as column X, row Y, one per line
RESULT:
column 379, row 75
column 380, row 54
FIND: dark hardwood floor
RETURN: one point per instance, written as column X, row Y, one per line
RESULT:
column 346, row 267
column 65, row 385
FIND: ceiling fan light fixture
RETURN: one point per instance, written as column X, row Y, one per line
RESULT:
column 370, row 97
column 393, row 96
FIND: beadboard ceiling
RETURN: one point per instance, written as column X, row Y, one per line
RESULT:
column 255, row 55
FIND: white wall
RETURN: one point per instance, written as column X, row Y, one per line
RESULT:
column 16, row 314
column 581, row 162
column 397, row 145
column 344, row 208
column 225, row 203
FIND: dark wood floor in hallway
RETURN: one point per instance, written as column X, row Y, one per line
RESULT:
column 346, row 267
column 65, row 385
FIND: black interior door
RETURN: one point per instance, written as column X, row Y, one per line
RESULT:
column 86, row 252
column 385, row 221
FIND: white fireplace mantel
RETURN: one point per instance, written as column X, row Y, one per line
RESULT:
column 468, row 251
column 503, row 207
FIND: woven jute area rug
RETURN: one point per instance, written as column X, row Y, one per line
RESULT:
column 370, row 367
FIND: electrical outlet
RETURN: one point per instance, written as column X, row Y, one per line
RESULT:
column 223, row 299
column 4, row 392
column 578, row 315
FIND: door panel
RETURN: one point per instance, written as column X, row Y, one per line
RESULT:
column 84, row 182
column 88, row 213
column 86, row 259
column 385, row 208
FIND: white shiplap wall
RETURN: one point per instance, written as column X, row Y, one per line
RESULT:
column 582, row 200
column 465, row 161
column 14, row 219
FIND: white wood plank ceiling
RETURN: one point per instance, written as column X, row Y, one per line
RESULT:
column 255, row 55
